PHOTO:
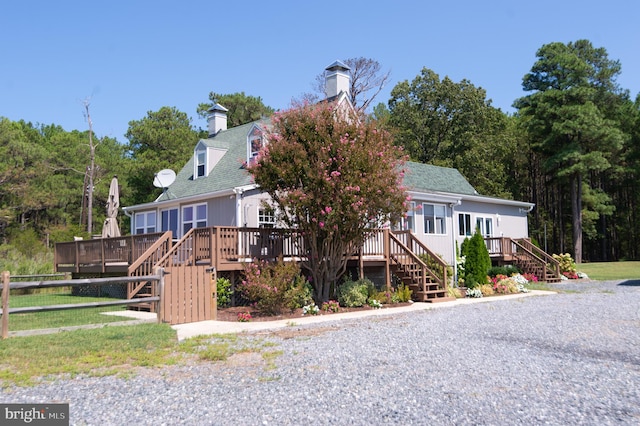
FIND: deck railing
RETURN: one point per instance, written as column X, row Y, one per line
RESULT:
column 102, row 255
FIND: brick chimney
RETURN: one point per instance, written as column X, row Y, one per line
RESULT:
column 337, row 79
column 217, row 119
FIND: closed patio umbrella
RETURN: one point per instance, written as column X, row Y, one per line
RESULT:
column 110, row 228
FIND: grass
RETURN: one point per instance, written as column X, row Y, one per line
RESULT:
column 611, row 270
column 62, row 318
column 116, row 350
column 104, row 351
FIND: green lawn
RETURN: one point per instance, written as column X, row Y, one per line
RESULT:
column 62, row 318
column 611, row 270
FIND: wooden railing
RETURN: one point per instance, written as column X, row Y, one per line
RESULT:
column 436, row 265
column 102, row 255
column 400, row 251
column 522, row 249
column 146, row 263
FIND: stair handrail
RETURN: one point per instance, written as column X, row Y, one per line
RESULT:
column 434, row 256
column 555, row 264
column 163, row 261
column 532, row 256
column 141, row 266
column 416, row 259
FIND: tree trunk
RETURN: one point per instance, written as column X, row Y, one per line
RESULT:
column 576, row 212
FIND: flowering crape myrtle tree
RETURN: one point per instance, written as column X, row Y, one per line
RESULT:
column 334, row 178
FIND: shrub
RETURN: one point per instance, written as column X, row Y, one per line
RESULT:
column 477, row 261
column 375, row 304
column 403, row 294
column 567, row 263
column 353, row 294
column 273, row 287
column 454, row 292
column 311, row 309
column 506, row 270
column 225, row 292
column 331, row 306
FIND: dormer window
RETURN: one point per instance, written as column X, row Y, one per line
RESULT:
column 201, row 160
column 255, row 142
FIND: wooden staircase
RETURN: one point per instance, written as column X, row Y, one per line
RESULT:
column 531, row 259
column 405, row 258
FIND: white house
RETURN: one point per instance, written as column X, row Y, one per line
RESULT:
column 214, row 189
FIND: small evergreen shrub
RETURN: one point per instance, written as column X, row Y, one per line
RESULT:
column 477, row 261
column 354, row 294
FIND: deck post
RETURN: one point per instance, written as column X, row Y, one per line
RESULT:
column 386, row 243
column 160, row 273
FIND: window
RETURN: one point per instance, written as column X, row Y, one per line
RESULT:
column 169, row 221
column 464, row 224
column 201, row 157
column 266, row 218
column 145, row 222
column 434, row 218
column 409, row 221
column 254, row 144
column 194, row 217
column 485, row 225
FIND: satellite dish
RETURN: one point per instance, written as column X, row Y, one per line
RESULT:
column 164, row 178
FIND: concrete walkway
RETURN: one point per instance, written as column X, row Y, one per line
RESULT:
column 200, row 328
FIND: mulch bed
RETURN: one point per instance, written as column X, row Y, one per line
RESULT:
column 231, row 314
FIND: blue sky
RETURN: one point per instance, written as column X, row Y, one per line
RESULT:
column 131, row 57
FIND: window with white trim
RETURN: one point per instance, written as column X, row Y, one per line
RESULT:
column 409, row 220
column 266, row 218
column 254, row 144
column 145, row 223
column 435, row 216
column 169, row 221
column 201, row 163
column 485, row 224
column 194, row 216
column 464, row 224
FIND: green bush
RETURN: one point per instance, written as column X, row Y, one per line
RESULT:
column 477, row 261
column 506, row 270
column 225, row 292
column 352, row 294
column 272, row 287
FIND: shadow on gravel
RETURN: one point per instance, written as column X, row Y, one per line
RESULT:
column 630, row 283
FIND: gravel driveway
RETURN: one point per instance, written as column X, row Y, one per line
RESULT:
column 570, row 358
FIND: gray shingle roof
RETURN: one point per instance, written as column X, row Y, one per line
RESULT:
column 427, row 178
column 229, row 173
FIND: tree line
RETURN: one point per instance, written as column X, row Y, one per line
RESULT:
column 572, row 148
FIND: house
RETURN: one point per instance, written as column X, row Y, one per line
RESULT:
column 214, row 189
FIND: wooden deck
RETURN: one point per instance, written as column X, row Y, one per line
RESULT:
column 227, row 249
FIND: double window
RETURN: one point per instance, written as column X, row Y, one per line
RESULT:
column 485, row 225
column 464, row 224
column 194, row 216
column 434, row 218
column 145, row 223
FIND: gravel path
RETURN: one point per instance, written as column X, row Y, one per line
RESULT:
column 570, row 358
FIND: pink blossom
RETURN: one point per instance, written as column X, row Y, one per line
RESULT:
column 321, row 224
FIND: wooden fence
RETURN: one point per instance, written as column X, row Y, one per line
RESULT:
column 7, row 285
column 188, row 294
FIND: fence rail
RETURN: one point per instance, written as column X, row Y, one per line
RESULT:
column 7, row 285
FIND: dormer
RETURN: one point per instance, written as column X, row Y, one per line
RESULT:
column 255, row 142
column 205, row 159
